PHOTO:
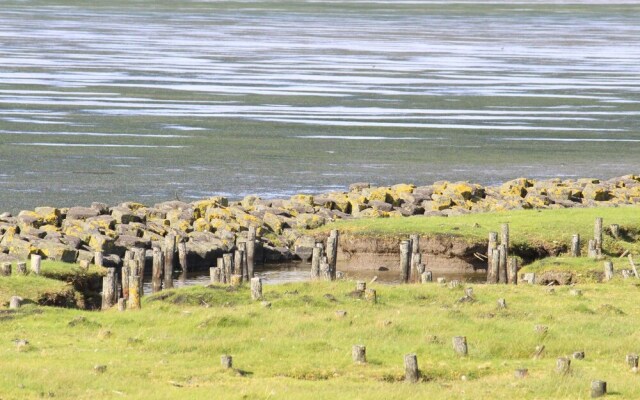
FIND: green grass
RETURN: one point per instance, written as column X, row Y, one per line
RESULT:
column 298, row 348
column 584, row 269
column 526, row 227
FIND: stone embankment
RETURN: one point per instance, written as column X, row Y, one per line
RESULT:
column 212, row 226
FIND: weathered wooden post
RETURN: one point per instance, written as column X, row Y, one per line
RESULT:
column 35, row 263
column 460, row 345
column 563, row 365
column 242, row 249
column 371, row 296
column 133, row 302
column 575, row 245
column 615, row 230
column 109, row 289
column 227, row 258
column 512, row 271
column 521, row 373
column 236, row 280
column 332, row 252
column 426, row 276
column 251, row 251
column 15, row 302
column 122, row 304
column 632, row 360
column 530, row 278
column 5, row 269
column 169, row 256
column 157, row 268
column 502, row 264
column 359, row 354
column 325, row 269
column 256, row 288
column 316, row 257
column 405, row 259
column 608, row 270
column 411, row 372
column 416, row 256
column 598, row 388
column 182, row 260
column 84, row 265
column 214, row 275
column 226, row 361
column 592, row 251
column 502, row 303
column 237, row 263
column 597, row 235
column 124, row 280
column 633, row 266
column 361, row 286
column 416, row 266
column 578, row 355
column 494, row 266
column 504, row 237
column 220, row 266
column 98, row 259
column 21, row 268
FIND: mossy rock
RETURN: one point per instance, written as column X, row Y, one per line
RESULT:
column 201, row 225
column 309, row 221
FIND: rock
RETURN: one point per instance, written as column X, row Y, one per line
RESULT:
column 123, row 215
column 111, row 261
column 49, row 215
column 309, row 221
column 103, row 243
column 56, row 251
column 82, row 213
column 381, row 206
column 102, row 222
column 555, row 277
column 204, row 253
column 596, row 192
column 273, row 222
column 359, row 186
column 303, row 247
column 124, row 242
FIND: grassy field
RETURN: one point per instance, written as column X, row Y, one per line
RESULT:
column 299, row 348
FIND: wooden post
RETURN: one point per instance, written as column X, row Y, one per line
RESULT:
column 420, row 268
column 504, row 237
column 427, row 276
column 15, row 302
column 416, row 265
column 597, row 235
column 124, row 280
column 325, row 269
column 371, row 296
column 227, row 258
column 214, row 276
column 169, row 256
column 633, row 266
column 156, row 273
column 98, row 259
column 122, row 304
column 502, row 303
column 493, row 243
column 84, row 265
column 332, row 252
column 575, row 245
column 361, row 286
column 608, row 270
column 359, row 354
column 521, row 373
column 460, row 345
column 109, row 289
column 21, row 268
column 578, row 355
column 236, row 280
column 242, row 248
column 416, row 256
column 239, row 261
column 502, row 264
column 494, row 266
column 182, row 260
column 220, row 266
column 133, row 302
column 563, row 365
column 592, row 251
column 615, row 231
column 405, row 258
column 632, row 360
column 411, row 372
column 226, row 361
column 35, row 263
column 598, row 388
column 5, row 269
column 251, row 251
column 512, row 271
column 316, row 256
column 256, row 288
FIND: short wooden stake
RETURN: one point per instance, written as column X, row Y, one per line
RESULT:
column 632, row 360
column 35, row 263
column 325, row 269
column 371, row 296
column 460, row 345
column 426, row 276
column 182, row 260
column 21, row 268
column 502, row 303
column 358, row 354
column 597, row 235
column 592, row 251
column 361, row 286
column 236, row 280
column 575, row 245
column 502, row 264
column 332, row 252
column 5, row 269
column 521, row 373
column 109, row 286
column 563, row 365
column 578, row 355
column 169, row 256
column 15, row 302
column 405, row 260
column 411, row 372
column 494, row 266
column 615, row 230
column 250, row 247
column 633, row 266
column 122, row 304
column 608, row 270
column 316, row 257
column 256, row 288
column 226, row 361
column 598, row 388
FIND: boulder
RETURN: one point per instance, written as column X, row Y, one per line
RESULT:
column 273, row 222
column 309, row 221
column 124, row 215
column 303, row 247
column 82, row 213
column 56, row 251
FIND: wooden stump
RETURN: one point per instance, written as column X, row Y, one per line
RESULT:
column 537, row 354
column 521, row 373
column 109, row 286
column 460, row 345
column 608, row 270
column 633, row 266
column 250, row 248
column 454, row 284
column 405, row 260
column 578, row 355
column 15, row 302
column 361, row 286
column 236, row 280
column 226, row 361
column 597, row 235
column 421, row 267
column 598, row 388
column 325, row 269
column 122, row 304
column 615, row 230
column 358, row 354
column 220, row 266
column 332, row 253
column 563, row 365
column 242, row 254
column 502, row 264
column 227, row 260
column 502, row 303
column 575, row 245
column 416, row 265
column 157, row 269
column 632, row 360
column 169, row 256
column 426, row 276
column 124, row 280
column 21, row 268
column 214, row 275
column 182, row 260
column 5, row 269
column 493, row 244
column 494, row 266
column 468, row 292
column 35, row 263
column 530, row 278
column 98, row 259
column 256, row 288
column 592, row 251
column 504, row 238
column 411, row 372
column 371, row 296
column 133, row 302
column 316, row 257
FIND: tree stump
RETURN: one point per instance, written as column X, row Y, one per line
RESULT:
column 608, row 270
column 5, row 269
column 426, row 277
column 358, row 354
column 460, row 345
column 157, row 269
column 236, row 280
column 169, row 256
column 512, row 271
column 226, row 361
column 371, row 296
column 598, row 388
column 15, row 302
column 256, row 288
column 615, row 230
column 521, row 373
column 578, row 355
column 361, row 286
column 21, row 268
column 632, row 360
column 35, row 263
column 563, row 365
column 575, row 245
column 405, row 259
column 411, row 372
column 316, row 257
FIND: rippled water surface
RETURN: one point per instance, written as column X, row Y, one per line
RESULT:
column 150, row 100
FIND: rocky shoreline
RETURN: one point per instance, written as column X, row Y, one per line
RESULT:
column 213, row 226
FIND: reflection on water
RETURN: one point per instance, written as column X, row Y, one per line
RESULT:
column 274, row 274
